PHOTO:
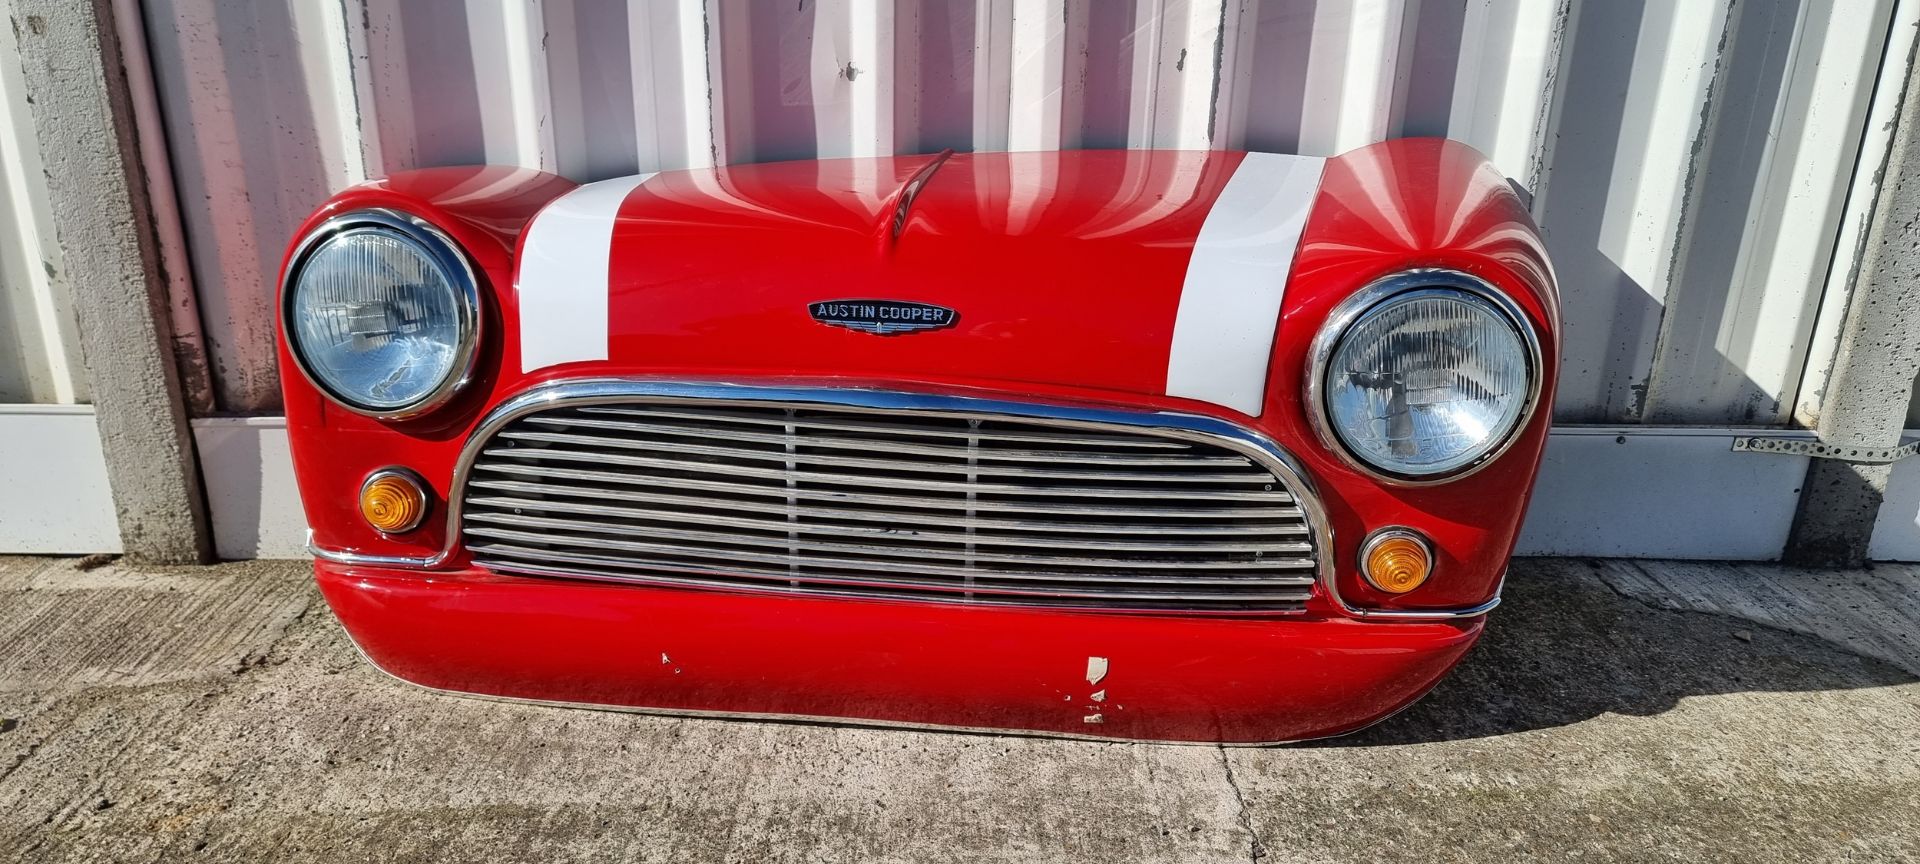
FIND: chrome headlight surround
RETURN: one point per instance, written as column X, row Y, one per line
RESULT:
column 444, row 252
column 1381, row 291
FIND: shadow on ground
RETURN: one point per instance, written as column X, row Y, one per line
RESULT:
column 1565, row 647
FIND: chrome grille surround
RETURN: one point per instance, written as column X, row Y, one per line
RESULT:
column 888, row 495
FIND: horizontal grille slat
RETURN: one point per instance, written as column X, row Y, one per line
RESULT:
column 634, row 529
column 973, row 577
column 1156, row 512
column 903, row 504
column 855, row 523
column 835, row 479
column 1296, row 595
column 895, row 431
column 587, row 442
column 956, row 452
column 1228, row 528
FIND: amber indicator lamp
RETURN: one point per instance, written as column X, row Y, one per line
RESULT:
column 1396, row 561
column 393, row 501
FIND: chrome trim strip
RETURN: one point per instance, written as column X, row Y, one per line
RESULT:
column 903, row 204
column 1333, row 594
column 347, row 556
column 467, row 286
column 1379, row 291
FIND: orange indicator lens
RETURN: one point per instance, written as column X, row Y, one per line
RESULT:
column 1397, row 562
column 392, row 502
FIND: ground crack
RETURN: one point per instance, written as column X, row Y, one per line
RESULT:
column 1255, row 849
column 264, row 655
column 25, row 756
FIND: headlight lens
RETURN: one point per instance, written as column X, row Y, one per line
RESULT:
column 1427, row 381
column 381, row 313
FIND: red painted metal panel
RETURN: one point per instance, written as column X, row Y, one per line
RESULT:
column 1067, row 271
column 1167, row 678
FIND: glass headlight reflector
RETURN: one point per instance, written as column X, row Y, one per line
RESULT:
column 1431, row 375
column 382, row 313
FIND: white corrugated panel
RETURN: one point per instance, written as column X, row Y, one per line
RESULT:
column 54, row 497
column 1769, row 184
column 1689, row 160
column 39, row 340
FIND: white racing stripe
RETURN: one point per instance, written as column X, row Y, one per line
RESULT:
column 1230, row 303
column 562, row 282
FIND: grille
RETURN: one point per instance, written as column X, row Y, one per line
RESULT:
column 896, row 503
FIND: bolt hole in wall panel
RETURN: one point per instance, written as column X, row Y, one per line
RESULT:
column 1700, row 168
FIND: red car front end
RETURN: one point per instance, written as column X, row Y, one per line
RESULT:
column 1026, row 442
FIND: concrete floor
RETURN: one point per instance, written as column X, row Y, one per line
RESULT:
column 1615, row 711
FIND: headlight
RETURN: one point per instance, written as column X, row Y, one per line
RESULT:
column 1424, row 375
column 382, row 313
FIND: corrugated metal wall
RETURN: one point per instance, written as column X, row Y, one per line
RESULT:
column 39, row 341
column 1689, row 160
